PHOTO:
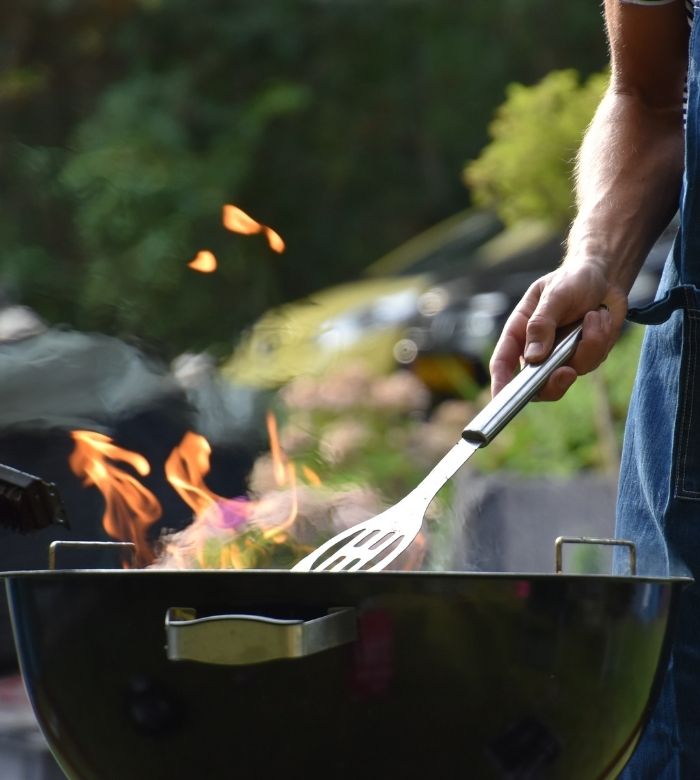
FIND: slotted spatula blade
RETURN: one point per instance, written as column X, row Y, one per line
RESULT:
column 373, row 544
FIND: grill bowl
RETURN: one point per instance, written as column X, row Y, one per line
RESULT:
column 451, row 674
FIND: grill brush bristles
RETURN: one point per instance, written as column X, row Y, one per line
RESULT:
column 28, row 503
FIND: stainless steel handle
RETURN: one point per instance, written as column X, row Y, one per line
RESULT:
column 57, row 545
column 236, row 640
column 513, row 397
column 560, row 541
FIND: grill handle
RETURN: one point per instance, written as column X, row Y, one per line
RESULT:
column 57, row 545
column 560, row 541
column 239, row 640
column 522, row 388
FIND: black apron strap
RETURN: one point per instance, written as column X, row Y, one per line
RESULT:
column 685, row 296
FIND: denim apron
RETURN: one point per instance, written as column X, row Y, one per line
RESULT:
column 659, row 492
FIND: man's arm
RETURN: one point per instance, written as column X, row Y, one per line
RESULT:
column 627, row 186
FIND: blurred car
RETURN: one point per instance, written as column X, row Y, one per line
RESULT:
column 435, row 306
column 449, row 343
column 362, row 319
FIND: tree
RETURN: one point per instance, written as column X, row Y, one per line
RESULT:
column 126, row 124
column 526, row 171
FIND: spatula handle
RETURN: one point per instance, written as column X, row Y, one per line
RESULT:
column 515, row 395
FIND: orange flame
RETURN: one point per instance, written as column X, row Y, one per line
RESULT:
column 130, row 508
column 186, row 467
column 311, row 476
column 279, row 460
column 284, row 473
column 274, row 240
column 237, row 221
column 185, row 470
column 277, row 532
column 205, row 262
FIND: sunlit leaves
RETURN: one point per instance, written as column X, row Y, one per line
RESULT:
column 526, row 170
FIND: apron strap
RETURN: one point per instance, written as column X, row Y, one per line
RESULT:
column 685, row 296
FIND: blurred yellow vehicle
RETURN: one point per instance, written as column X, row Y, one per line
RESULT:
column 435, row 305
column 364, row 319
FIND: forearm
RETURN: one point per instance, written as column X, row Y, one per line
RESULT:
column 630, row 170
column 629, row 175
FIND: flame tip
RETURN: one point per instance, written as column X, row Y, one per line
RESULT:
column 205, row 262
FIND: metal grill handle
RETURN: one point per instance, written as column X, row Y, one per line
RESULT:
column 54, row 547
column 521, row 389
column 562, row 540
column 237, row 640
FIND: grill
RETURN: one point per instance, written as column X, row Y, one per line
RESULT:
column 179, row 674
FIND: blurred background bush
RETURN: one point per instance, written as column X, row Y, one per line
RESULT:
column 344, row 124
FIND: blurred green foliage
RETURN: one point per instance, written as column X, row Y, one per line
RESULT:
column 526, row 171
column 126, row 124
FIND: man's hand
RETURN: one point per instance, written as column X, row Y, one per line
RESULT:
column 628, row 177
column 570, row 293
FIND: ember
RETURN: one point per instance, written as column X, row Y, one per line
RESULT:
column 237, row 221
column 204, row 262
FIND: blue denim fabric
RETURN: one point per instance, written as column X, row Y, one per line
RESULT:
column 659, row 493
column 659, row 509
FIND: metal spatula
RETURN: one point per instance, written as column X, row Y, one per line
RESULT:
column 375, row 543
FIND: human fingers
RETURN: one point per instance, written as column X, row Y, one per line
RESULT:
column 529, row 332
column 555, row 308
column 505, row 359
column 599, row 332
column 592, row 349
column 557, row 299
column 557, row 384
column 595, row 341
column 601, row 329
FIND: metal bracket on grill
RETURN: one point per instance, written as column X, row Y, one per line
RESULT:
column 54, row 547
column 562, row 540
